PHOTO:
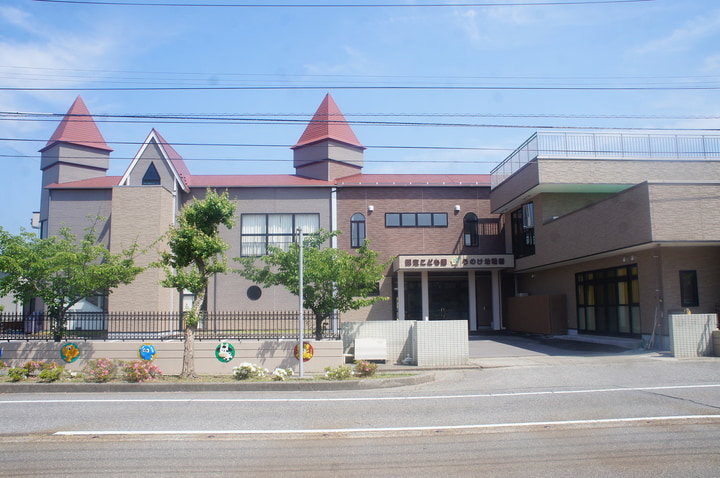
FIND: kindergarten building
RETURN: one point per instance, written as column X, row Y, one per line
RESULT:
column 580, row 233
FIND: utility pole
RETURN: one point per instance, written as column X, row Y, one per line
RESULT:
column 301, row 314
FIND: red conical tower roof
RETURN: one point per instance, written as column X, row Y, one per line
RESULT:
column 78, row 127
column 328, row 123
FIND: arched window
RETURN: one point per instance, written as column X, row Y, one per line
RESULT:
column 357, row 230
column 470, row 230
column 151, row 178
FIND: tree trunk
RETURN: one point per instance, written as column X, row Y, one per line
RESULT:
column 192, row 319
column 188, row 366
column 319, row 319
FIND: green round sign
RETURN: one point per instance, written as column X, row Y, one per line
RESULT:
column 225, row 352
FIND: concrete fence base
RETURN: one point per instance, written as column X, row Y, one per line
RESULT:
column 421, row 343
column 266, row 353
column 691, row 334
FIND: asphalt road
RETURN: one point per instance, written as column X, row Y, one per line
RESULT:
column 603, row 416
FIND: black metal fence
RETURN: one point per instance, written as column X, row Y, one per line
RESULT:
column 165, row 326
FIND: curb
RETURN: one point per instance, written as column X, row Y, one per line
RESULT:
column 289, row 386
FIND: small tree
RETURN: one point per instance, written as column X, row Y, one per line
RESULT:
column 333, row 279
column 61, row 270
column 196, row 253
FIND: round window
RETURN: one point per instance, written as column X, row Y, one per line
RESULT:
column 254, row 292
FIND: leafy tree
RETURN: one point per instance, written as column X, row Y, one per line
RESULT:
column 196, row 253
column 61, row 270
column 333, row 279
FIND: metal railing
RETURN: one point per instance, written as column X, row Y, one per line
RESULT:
column 165, row 326
column 607, row 145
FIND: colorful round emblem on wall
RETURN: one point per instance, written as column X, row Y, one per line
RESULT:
column 225, row 352
column 147, row 352
column 308, row 351
column 70, row 352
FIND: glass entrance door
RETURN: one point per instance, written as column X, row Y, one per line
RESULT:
column 448, row 297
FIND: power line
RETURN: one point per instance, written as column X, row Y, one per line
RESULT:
column 337, row 5
column 367, row 87
column 199, row 118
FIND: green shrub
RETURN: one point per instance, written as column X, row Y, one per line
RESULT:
column 363, row 368
column 341, row 372
column 15, row 374
column 281, row 374
column 51, row 372
column 140, row 371
column 249, row 371
column 100, row 370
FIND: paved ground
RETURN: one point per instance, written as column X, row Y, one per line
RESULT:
column 503, row 349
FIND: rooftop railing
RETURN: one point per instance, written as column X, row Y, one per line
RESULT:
column 607, row 145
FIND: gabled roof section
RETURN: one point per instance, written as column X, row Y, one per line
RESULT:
column 328, row 123
column 78, row 127
column 175, row 161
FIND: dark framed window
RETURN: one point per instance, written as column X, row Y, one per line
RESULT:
column 470, row 230
column 151, row 177
column 689, row 289
column 416, row 219
column 258, row 231
column 522, row 222
column 608, row 301
column 357, row 230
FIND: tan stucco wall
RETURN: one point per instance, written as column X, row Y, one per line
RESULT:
column 266, row 353
column 142, row 214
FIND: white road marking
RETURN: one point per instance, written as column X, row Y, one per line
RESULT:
column 361, row 399
column 322, row 431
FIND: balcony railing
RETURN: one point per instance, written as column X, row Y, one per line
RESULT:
column 607, row 145
column 165, row 326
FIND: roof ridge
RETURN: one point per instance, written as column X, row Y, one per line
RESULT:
column 328, row 123
column 78, row 127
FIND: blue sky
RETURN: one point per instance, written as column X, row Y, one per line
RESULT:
column 527, row 67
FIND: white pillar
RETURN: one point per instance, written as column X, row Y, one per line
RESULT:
column 472, row 300
column 496, row 300
column 401, row 295
column 425, row 295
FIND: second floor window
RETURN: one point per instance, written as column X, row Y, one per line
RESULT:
column 416, row 219
column 258, row 231
column 523, row 230
column 470, row 230
column 357, row 230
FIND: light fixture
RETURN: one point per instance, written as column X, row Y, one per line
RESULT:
column 457, row 208
column 371, row 208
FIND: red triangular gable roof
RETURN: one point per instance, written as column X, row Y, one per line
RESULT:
column 78, row 127
column 177, row 161
column 328, row 123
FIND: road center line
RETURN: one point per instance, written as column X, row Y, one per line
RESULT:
column 322, row 431
column 361, row 399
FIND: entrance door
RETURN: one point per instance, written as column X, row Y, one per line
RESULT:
column 448, row 297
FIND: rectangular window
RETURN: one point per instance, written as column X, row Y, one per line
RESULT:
column 258, row 231
column 689, row 289
column 522, row 222
column 416, row 219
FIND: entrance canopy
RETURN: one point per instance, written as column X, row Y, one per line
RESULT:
column 453, row 262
